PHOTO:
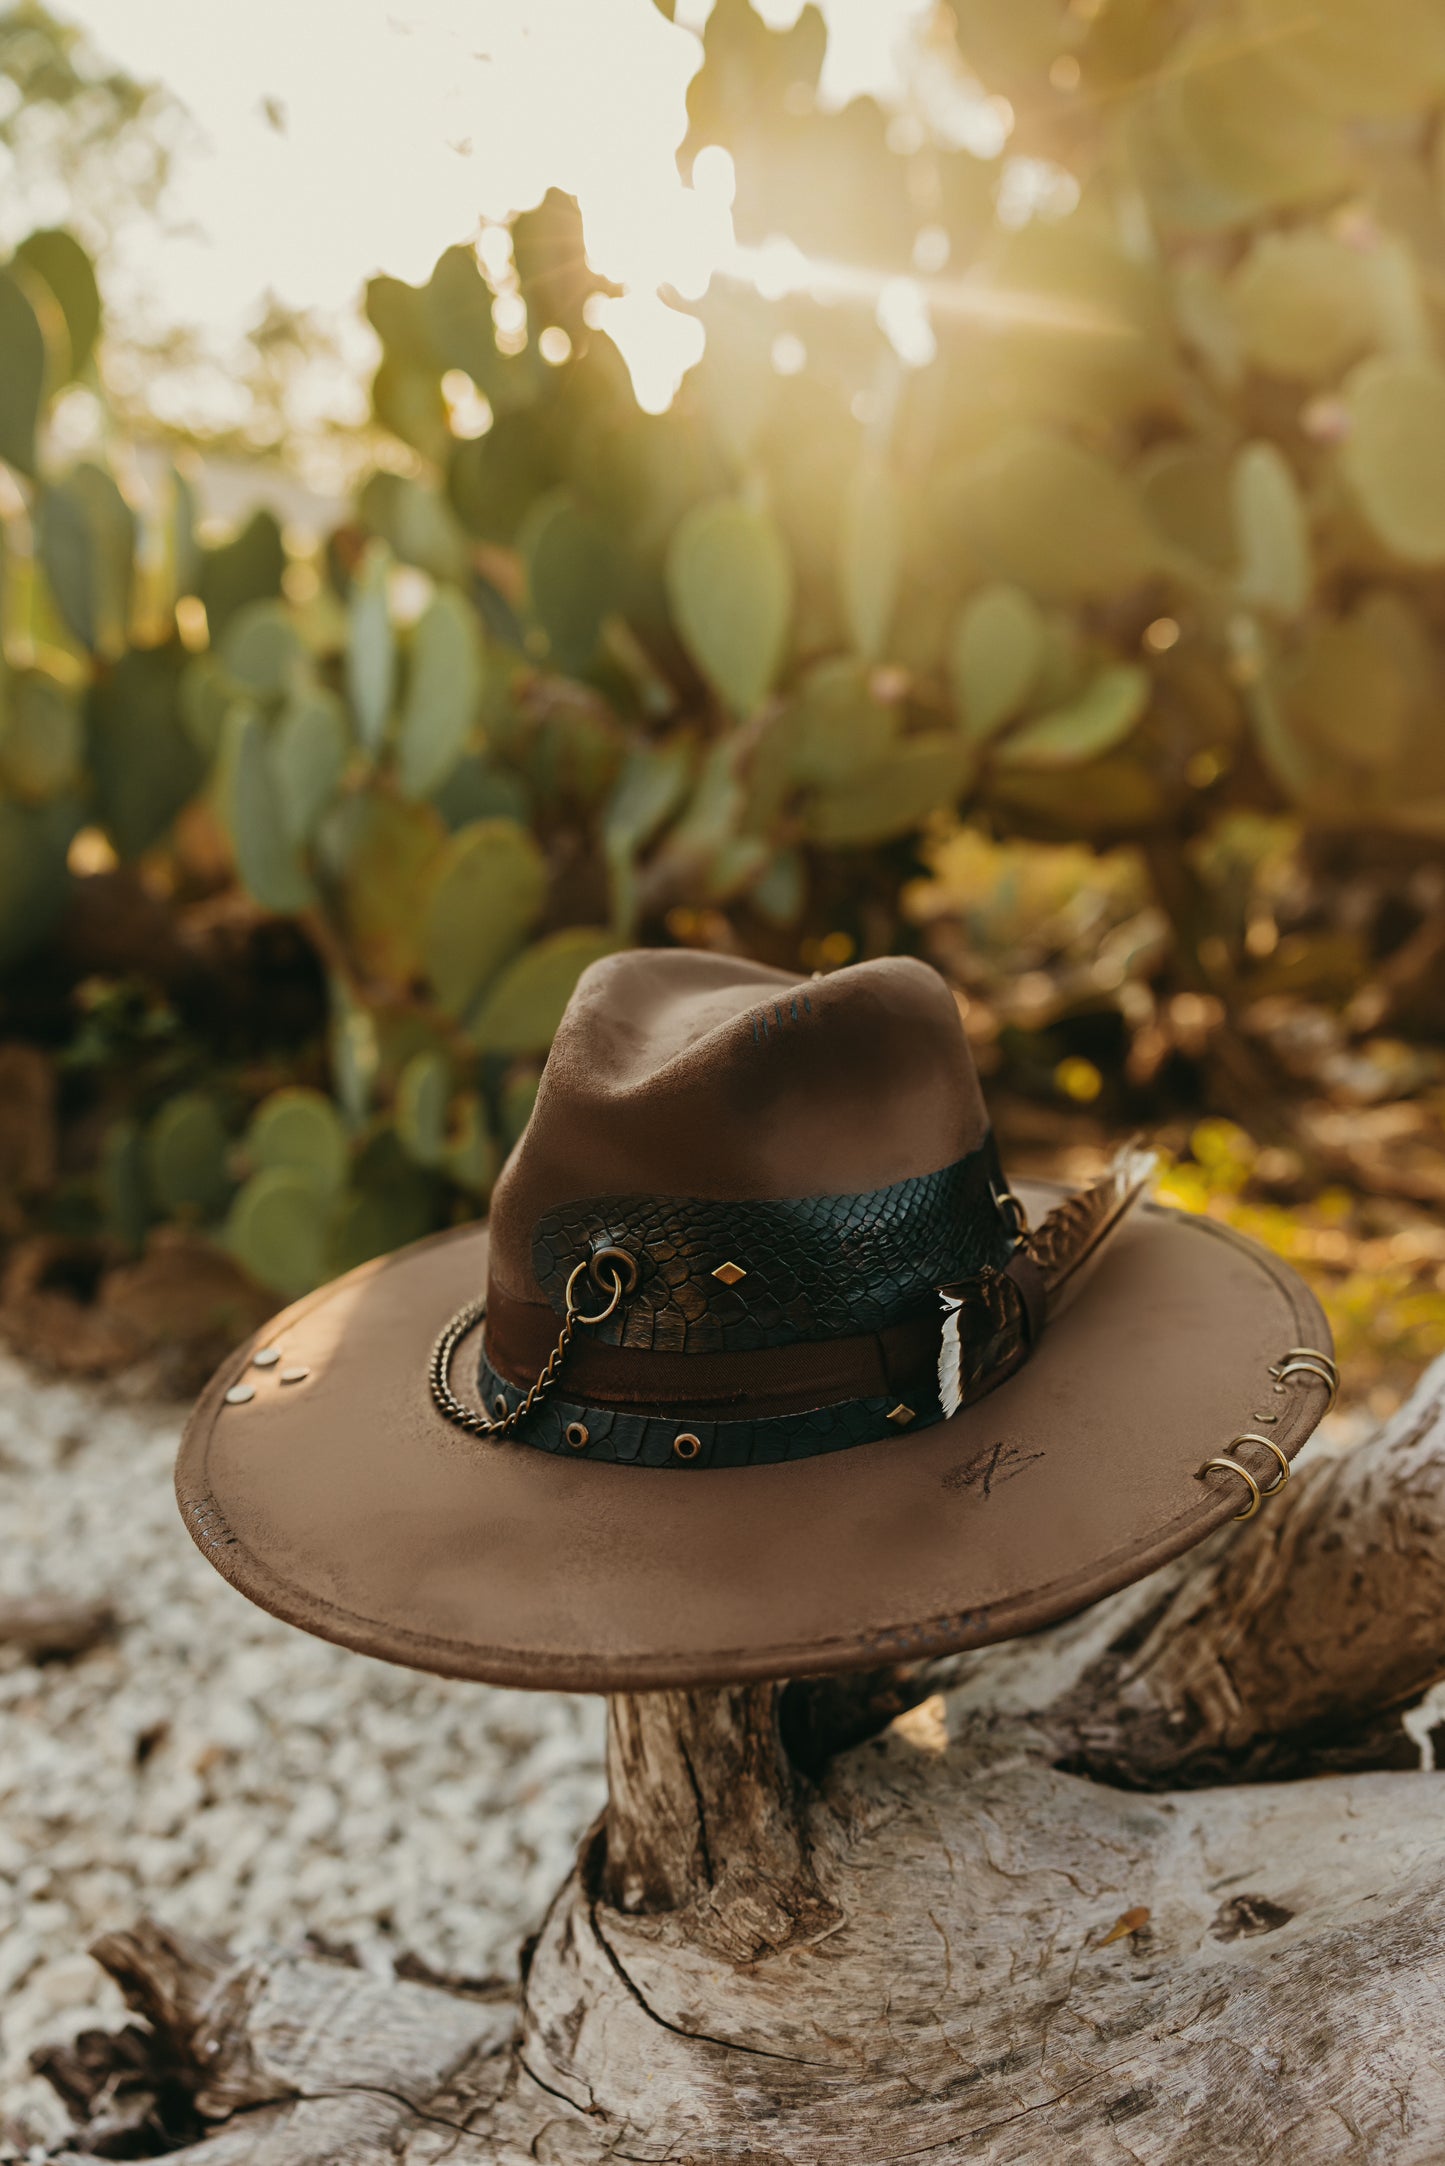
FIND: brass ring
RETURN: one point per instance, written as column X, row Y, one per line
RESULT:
column 1269, row 1445
column 687, row 1446
column 1312, row 1365
column 1006, row 1196
column 1232, row 1466
column 577, row 1435
column 572, row 1309
column 1300, row 1353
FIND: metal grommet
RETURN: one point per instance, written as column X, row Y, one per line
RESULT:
column 1232, row 1466
column 1268, row 1444
column 687, row 1446
column 608, row 1265
column 499, row 1406
column 239, row 1394
column 265, row 1357
column 578, row 1435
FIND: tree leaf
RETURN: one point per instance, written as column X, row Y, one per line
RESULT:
column 300, row 1129
column 521, row 1010
column 423, row 1092
column 1101, row 717
column 409, row 402
column 145, row 762
column 185, row 1155
column 417, row 524
column 1393, row 457
column 923, row 775
column 730, row 588
column 1356, row 61
column 57, row 257
column 651, row 786
column 490, row 885
column 85, row 537
column 42, row 737
column 247, row 568
column 995, row 658
column 277, row 1230
column 1272, row 533
column 471, row 1153
column 871, row 555
column 34, row 877
column 261, row 648
column 1055, row 518
column 386, row 854
column 1306, row 303
column 371, row 651
column 22, row 375
column 833, row 729
column 493, row 480
column 266, row 857
column 572, row 577
column 443, row 692
column 308, row 756
column 1356, row 685
column 1243, row 127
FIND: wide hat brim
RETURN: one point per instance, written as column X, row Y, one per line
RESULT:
column 344, row 1503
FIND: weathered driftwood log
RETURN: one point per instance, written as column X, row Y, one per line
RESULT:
column 1052, row 1910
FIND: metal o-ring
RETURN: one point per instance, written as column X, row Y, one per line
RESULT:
column 687, row 1446
column 1232, row 1466
column 1312, row 1353
column 1269, row 1445
column 578, row 1435
column 1312, row 1365
column 574, row 1314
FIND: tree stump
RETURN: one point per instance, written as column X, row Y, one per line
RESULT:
column 1073, row 1897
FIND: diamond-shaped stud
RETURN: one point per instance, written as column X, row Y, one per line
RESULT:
column 902, row 1415
column 729, row 1273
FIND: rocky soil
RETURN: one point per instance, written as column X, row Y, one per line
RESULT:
column 200, row 1761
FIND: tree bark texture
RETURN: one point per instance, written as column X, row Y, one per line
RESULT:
column 1076, row 1902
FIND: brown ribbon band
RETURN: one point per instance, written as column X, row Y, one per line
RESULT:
column 769, row 1380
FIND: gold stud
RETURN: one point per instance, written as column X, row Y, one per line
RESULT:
column 687, row 1446
column 903, row 1415
column 729, row 1273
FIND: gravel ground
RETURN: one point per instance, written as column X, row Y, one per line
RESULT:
column 226, row 1773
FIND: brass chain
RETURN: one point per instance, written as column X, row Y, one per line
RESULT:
column 452, row 1333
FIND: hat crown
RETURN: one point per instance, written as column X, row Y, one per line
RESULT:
column 679, row 1073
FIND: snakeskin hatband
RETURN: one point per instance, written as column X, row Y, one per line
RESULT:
column 923, row 1283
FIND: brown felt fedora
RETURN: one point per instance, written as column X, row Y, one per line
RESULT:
column 761, row 1367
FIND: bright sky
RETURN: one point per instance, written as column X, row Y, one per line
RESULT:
column 343, row 137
